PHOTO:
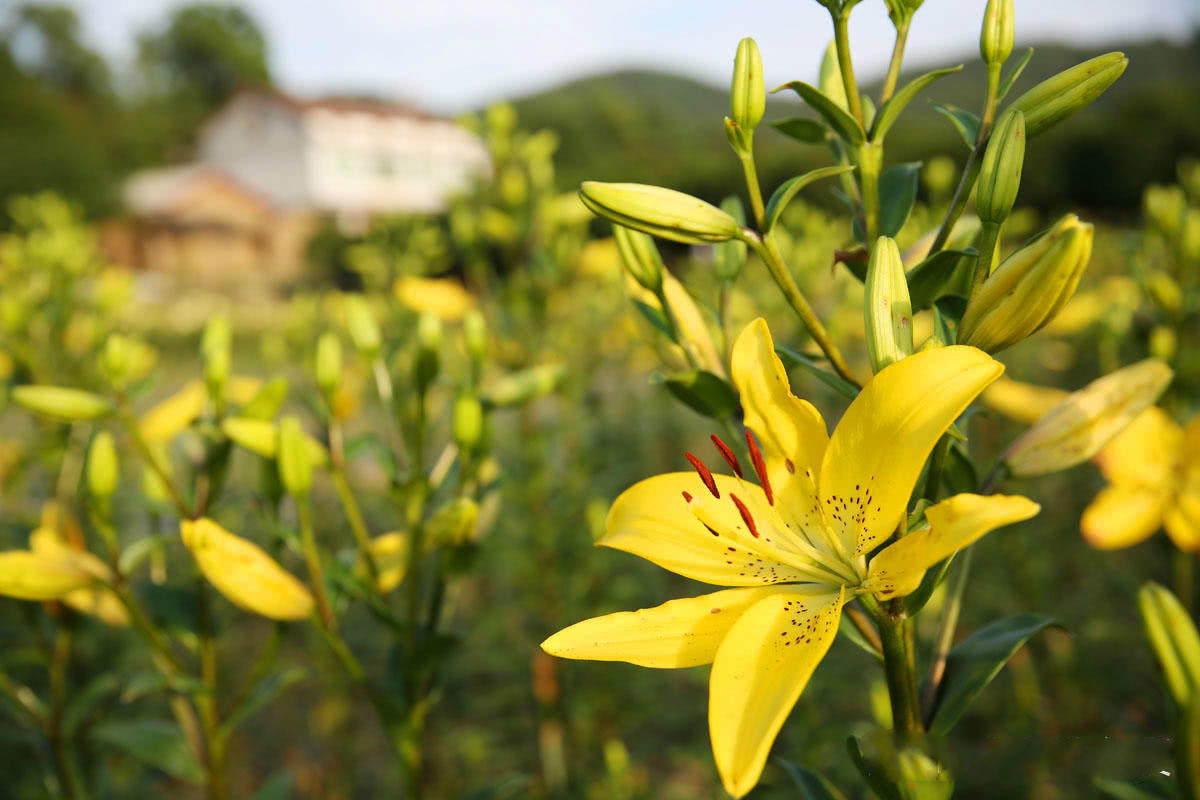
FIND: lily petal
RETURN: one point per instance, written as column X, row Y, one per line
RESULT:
column 1120, row 517
column 679, row 633
column 791, row 430
column 761, row 668
column 1145, row 453
column 1183, row 519
column 877, row 450
column 652, row 519
column 953, row 524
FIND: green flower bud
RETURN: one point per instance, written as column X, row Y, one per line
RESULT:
column 103, row 471
column 429, row 331
column 125, row 360
column 1166, row 291
column 454, row 523
column 475, row 335
column 887, row 309
column 729, row 257
column 361, row 325
column 640, row 257
column 1163, row 342
column 1172, row 636
column 1000, row 175
column 996, row 39
column 521, row 387
column 428, row 363
column 1060, row 96
column 61, row 402
column 295, row 467
column 467, row 421
column 1189, row 236
column 901, row 11
column 1078, row 427
column 659, row 212
column 747, row 94
column 830, row 82
column 216, row 346
column 266, row 402
column 329, row 362
column 261, row 436
column 1029, row 287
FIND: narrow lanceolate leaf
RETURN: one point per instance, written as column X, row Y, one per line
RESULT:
column 792, row 359
column 1172, row 636
column 802, row 129
column 945, row 272
column 704, row 393
column 897, row 195
column 965, row 122
column 784, row 194
column 1155, row 787
column 812, row 786
column 155, row 742
column 891, row 110
column 843, row 124
column 264, row 692
column 975, row 661
column 1008, row 80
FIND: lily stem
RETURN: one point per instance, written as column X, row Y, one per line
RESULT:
column 841, row 36
column 893, row 73
column 899, row 663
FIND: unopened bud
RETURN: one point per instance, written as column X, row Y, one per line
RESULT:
column 361, row 325
column 244, row 573
column 659, row 212
column 640, row 257
column 103, row 471
column 216, row 346
column 32, row 576
column 468, row 421
column 521, row 387
column 729, row 257
column 429, row 331
column 1163, row 342
column 175, row 413
column 1172, row 636
column 329, row 362
column 61, row 402
column 747, row 94
column 996, row 39
column 1057, row 98
column 901, row 11
column 428, row 362
column 1000, row 175
column 1024, row 402
column 830, row 83
column 266, row 401
column 1088, row 419
column 887, row 309
column 390, row 553
column 442, row 296
column 454, row 523
column 261, row 436
column 475, row 335
column 1166, row 291
column 1029, row 287
column 295, row 468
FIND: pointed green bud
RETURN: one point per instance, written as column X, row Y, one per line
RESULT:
column 125, row 360
column 747, row 93
column 659, row 212
column 295, row 467
column 267, row 400
column 467, row 424
column 1029, row 287
column 428, row 362
column 996, row 39
column 216, row 346
column 429, row 331
column 61, row 402
column 830, row 82
column 729, row 257
column 887, row 309
column 361, row 325
column 1060, row 96
column 640, row 257
column 521, row 387
column 475, row 335
column 901, row 11
column 1000, row 175
column 454, row 523
column 103, row 471
column 1078, row 427
column 1173, row 637
column 329, row 362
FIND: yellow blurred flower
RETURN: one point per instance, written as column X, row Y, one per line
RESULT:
column 441, row 296
column 174, row 414
column 1153, row 468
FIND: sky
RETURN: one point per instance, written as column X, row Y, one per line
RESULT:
column 450, row 56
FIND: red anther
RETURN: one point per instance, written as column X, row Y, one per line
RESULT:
column 705, row 475
column 760, row 466
column 745, row 512
column 687, row 498
column 728, row 455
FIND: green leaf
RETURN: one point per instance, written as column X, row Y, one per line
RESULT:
column 951, row 308
column 933, row 578
column 784, row 194
column 812, row 786
column 959, row 474
column 704, row 393
column 138, row 551
column 145, row 683
column 173, row 607
column 792, row 359
column 944, row 272
column 84, row 701
column 802, row 129
column 899, row 101
column 897, row 194
column 155, row 742
column 1155, row 787
column 656, row 317
column 503, row 789
column 966, row 123
column 264, row 692
column 975, row 661
column 276, row 787
column 843, row 124
column 847, row 628
column 872, row 772
column 1008, row 80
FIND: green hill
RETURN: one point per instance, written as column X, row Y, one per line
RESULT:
column 653, row 127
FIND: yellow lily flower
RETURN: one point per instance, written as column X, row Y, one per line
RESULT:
column 795, row 545
column 1153, row 467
